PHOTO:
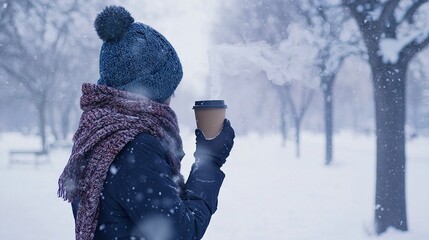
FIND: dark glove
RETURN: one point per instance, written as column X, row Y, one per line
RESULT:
column 217, row 149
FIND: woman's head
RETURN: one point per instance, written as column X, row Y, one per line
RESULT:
column 135, row 57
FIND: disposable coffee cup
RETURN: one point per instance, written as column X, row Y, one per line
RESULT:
column 210, row 115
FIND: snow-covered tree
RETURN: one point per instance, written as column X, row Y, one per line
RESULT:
column 298, row 76
column 328, row 21
column 283, row 64
column 394, row 32
column 252, row 21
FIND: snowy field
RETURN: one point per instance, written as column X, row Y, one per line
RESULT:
column 267, row 193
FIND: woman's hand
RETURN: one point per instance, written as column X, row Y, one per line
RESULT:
column 217, row 149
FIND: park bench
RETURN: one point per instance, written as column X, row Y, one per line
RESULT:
column 35, row 157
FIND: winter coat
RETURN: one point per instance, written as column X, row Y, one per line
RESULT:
column 142, row 200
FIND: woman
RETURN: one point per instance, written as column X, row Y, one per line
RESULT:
column 123, row 176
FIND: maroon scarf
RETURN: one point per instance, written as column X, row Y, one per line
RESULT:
column 110, row 119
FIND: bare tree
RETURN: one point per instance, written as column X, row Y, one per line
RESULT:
column 243, row 22
column 394, row 32
column 283, row 112
column 40, row 45
column 328, row 21
column 268, row 20
column 298, row 98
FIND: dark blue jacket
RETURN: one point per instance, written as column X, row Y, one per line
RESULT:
column 141, row 199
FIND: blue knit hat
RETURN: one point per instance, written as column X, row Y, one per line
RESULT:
column 135, row 57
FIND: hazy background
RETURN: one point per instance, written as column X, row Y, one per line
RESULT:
column 276, row 63
column 193, row 27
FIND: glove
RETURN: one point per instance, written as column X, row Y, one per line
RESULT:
column 217, row 149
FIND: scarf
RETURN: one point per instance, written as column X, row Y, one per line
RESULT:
column 110, row 119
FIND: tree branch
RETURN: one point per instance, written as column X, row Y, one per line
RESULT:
column 307, row 96
column 352, row 7
column 388, row 9
column 412, row 49
column 305, row 13
column 21, row 79
column 412, row 10
column 290, row 101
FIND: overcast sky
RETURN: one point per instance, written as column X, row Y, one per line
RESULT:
column 186, row 24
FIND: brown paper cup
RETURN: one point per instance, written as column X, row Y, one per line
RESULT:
column 209, row 115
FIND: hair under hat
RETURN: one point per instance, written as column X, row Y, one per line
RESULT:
column 135, row 57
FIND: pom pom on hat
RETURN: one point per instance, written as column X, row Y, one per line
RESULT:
column 112, row 23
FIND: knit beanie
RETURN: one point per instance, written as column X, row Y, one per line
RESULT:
column 135, row 57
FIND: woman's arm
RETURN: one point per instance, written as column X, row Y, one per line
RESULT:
column 148, row 192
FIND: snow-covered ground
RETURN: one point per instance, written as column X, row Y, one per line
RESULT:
column 268, row 193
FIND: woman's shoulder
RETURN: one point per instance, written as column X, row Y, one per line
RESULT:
column 144, row 149
column 145, row 141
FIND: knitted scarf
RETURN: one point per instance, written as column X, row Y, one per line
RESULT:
column 110, row 119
